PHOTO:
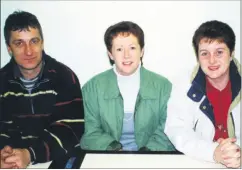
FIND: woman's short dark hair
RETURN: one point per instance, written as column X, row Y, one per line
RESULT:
column 214, row 30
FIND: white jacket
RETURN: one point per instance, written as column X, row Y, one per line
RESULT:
column 189, row 123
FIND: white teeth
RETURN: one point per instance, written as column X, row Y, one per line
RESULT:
column 127, row 62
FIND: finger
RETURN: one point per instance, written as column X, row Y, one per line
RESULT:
column 7, row 165
column 232, row 147
column 12, row 158
column 225, row 144
column 230, row 155
column 236, row 165
column 19, row 164
column 231, row 151
column 220, row 140
column 8, row 149
column 228, row 140
column 5, row 155
column 232, row 161
column 234, row 140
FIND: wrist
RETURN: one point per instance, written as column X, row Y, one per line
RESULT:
column 27, row 156
column 32, row 154
column 214, row 158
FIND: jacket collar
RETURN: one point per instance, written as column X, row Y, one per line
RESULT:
column 146, row 86
column 198, row 88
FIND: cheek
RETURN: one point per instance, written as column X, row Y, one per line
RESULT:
column 117, row 57
column 37, row 49
column 203, row 64
column 18, row 55
column 137, row 56
column 226, row 66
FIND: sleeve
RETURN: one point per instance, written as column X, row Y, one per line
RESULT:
column 6, row 130
column 236, row 116
column 8, row 137
column 159, row 141
column 66, row 124
column 94, row 137
column 180, row 126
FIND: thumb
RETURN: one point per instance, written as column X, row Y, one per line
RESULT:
column 220, row 140
column 233, row 140
column 8, row 149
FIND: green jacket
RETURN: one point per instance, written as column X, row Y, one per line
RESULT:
column 104, row 111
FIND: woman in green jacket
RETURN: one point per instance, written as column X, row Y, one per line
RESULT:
column 125, row 107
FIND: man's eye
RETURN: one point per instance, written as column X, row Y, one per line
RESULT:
column 19, row 43
column 35, row 41
column 204, row 54
column 133, row 48
column 119, row 49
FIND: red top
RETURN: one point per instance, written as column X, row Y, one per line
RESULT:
column 220, row 100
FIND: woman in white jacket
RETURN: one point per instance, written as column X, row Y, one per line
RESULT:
column 203, row 118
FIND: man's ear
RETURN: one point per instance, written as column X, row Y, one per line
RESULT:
column 42, row 45
column 9, row 51
column 110, row 56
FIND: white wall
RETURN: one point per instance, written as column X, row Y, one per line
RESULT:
column 74, row 30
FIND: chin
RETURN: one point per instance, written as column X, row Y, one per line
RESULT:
column 29, row 67
column 213, row 76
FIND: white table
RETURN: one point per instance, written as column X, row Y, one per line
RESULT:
column 93, row 160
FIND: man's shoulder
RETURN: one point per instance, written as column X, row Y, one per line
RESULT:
column 57, row 68
column 53, row 65
column 59, row 72
column 6, row 69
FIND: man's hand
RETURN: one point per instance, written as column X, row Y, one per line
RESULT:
column 21, row 157
column 228, row 153
column 6, row 152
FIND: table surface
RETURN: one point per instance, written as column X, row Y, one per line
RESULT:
column 97, row 160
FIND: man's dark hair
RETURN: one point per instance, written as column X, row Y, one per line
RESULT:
column 20, row 20
column 214, row 30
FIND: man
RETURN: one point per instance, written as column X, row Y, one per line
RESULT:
column 204, row 121
column 41, row 110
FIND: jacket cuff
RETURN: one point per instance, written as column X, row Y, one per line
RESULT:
column 144, row 148
column 115, row 146
column 39, row 154
column 32, row 155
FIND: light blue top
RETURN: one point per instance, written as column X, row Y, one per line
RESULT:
column 129, row 88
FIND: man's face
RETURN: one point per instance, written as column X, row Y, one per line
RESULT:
column 214, row 58
column 126, row 54
column 26, row 47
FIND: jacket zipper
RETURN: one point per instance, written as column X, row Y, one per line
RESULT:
column 31, row 102
column 122, row 103
column 135, row 111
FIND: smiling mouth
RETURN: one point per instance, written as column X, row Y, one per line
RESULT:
column 29, row 58
column 213, row 68
column 127, row 63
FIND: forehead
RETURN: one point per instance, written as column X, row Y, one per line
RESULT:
column 25, row 33
column 212, row 43
column 124, row 37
